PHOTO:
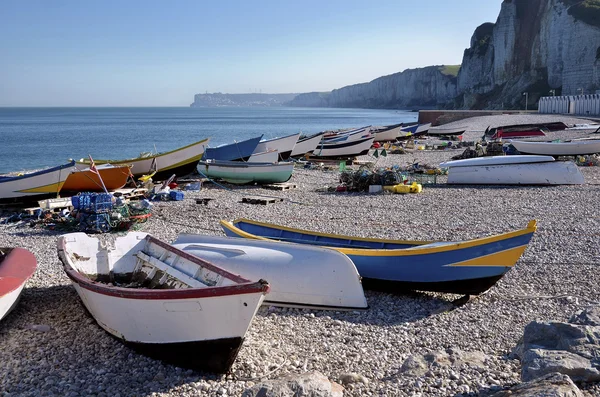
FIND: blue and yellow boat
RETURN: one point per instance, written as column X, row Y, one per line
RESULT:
column 461, row 267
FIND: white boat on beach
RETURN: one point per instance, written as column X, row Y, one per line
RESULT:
column 343, row 149
column 284, row 145
column 34, row 185
column 566, row 148
column 306, row 145
column 440, row 131
column 388, row 133
column 162, row 301
column 241, row 173
column 347, row 135
column 299, row 275
column 513, row 170
column 270, row 156
column 17, row 265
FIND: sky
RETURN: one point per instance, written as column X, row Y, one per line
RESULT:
column 161, row 53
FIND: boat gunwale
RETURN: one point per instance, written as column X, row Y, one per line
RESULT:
column 244, row 286
column 6, row 178
column 26, row 263
column 417, row 250
column 136, row 159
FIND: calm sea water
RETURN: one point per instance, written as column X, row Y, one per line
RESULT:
column 34, row 138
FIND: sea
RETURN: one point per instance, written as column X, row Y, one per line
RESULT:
column 37, row 138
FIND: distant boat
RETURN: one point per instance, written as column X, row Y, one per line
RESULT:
column 414, row 131
column 460, row 267
column 161, row 301
column 513, row 170
column 306, row 145
column 84, row 180
column 342, row 149
column 514, row 132
column 299, row 275
column 567, row 148
column 236, row 151
column 437, row 131
column 355, row 134
column 241, row 173
column 284, row 145
column 17, row 265
column 34, row 185
column 182, row 161
column 387, row 133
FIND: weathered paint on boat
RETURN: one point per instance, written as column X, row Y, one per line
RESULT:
column 299, row 275
column 464, row 267
column 162, row 301
column 17, row 265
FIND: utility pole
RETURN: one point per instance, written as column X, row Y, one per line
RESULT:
column 526, row 99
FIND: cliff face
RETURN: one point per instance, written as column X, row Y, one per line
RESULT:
column 534, row 46
column 428, row 86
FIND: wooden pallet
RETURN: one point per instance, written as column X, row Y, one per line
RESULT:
column 261, row 200
column 281, row 186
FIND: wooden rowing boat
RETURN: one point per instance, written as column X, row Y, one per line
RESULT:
column 565, row 148
column 34, row 185
column 84, row 180
column 236, row 151
column 283, row 145
column 162, row 301
column 241, row 173
column 182, row 161
column 461, row 267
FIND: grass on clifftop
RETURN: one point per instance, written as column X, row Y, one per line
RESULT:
column 587, row 11
column 450, row 70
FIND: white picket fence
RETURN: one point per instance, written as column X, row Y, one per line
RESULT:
column 581, row 105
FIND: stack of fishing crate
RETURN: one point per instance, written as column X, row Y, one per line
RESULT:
column 93, row 211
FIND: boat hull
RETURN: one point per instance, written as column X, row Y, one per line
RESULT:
column 544, row 173
column 271, row 156
column 16, row 268
column 573, row 148
column 468, row 267
column 84, row 180
column 388, row 134
column 284, row 146
column 237, row 151
column 343, row 149
column 242, row 173
column 299, row 276
column 306, row 145
column 36, row 185
column 181, row 302
column 180, row 162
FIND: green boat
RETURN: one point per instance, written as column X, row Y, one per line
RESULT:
column 241, row 173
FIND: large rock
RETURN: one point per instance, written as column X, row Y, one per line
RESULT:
column 417, row 365
column 310, row 384
column 551, row 385
column 571, row 349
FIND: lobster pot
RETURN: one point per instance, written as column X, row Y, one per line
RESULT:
column 93, row 203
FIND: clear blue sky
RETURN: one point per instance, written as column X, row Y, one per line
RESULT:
column 161, row 53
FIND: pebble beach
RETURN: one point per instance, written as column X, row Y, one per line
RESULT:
column 50, row 346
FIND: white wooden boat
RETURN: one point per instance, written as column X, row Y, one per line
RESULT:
column 270, row 156
column 162, row 301
column 299, row 275
column 306, row 145
column 17, row 265
column 245, row 172
column 440, row 131
column 180, row 161
column 342, row 149
column 34, row 185
column 567, row 148
column 513, row 170
column 284, row 145
column 387, row 133
column 347, row 136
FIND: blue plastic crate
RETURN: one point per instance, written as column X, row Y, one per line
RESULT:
column 175, row 195
column 93, row 202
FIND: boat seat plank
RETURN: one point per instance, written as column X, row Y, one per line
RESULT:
column 184, row 278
